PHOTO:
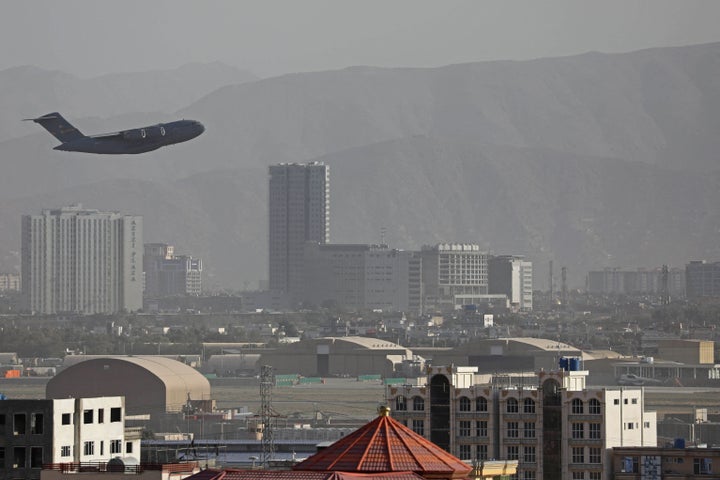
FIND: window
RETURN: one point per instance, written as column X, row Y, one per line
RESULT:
column 66, row 419
column 529, row 456
column 594, row 406
column 594, row 430
column 629, row 426
column 2, row 420
column 578, row 454
column 512, row 405
column 529, row 475
column 87, row 416
column 616, row 401
column 512, row 452
column 464, row 430
column 595, row 476
column 116, row 414
column 646, row 424
column 625, row 401
column 19, row 424
column 36, row 457
column 634, row 401
column 512, row 429
column 702, row 466
column 115, row 446
column 36, row 423
column 481, row 428
column 89, row 448
column 65, row 451
column 464, row 404
column 577, row 406
column 481, row 404
column 400, row 403
column 594, row 455
column 465, row 453
column 102, row 447
column 529, row 430
column 418, row 404
column 2, row 457
column 578, row 475
column 578, row 430
column 529, row 406
column 128, row 447
column 19, row 457
column 101, row 415
column 418, row 426
column 482, row 452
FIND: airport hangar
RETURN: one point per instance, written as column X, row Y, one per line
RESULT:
column 502, row 355
column 328, row 356
column 150, row 384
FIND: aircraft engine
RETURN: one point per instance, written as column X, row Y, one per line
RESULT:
column 140, row 134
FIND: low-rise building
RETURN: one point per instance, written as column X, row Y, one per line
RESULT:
column 635, row 463
column 556, row 428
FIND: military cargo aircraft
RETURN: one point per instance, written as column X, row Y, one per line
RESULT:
column 136, row 140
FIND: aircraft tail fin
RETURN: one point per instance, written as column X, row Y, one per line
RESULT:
column 58, row 126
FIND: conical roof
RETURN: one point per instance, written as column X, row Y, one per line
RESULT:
column 386, row 445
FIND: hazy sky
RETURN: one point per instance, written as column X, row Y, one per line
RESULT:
column 92, row 37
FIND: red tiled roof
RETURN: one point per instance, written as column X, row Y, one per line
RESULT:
column 232, row 474
column 386, row 445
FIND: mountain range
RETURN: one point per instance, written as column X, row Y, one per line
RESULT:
column 591, row 161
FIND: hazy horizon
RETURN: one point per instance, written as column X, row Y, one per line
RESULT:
column 96, row 38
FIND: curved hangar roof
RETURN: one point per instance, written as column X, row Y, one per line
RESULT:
column 149, row 383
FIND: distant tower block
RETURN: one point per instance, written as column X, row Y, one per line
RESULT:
column 563, row 272
column 550, row 281
column 664, row 288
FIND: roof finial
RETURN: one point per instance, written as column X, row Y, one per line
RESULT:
column 384, row 411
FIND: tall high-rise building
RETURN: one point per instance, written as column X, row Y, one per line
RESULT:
column 299, row 207
column 512, row 276
column 702, row 279
column 81, row 261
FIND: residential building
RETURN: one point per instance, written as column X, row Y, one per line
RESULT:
column 702, row 279
column 618, row 281
column 299, row 208
column 37, row 432
column 512, row 275
column 81, row 261
column 167, row 274
column 9, row 282
column 557, row 428
column 362, row 277
column 453, row 274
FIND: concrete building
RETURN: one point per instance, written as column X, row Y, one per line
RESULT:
column 167, row 274
column 81, row 261
column 557, row 428
column 9, row 282
column 38, row 432
column 299, row 208
column 154, row 385
column 326, row 356
column 638, row 463
column 702, row 279
column 513, row 276
column 617, row 281
column 452, row 275
column 371, row 277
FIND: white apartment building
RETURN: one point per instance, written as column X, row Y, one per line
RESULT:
column 34, row 433
column 81, row 261
column 556, row 428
